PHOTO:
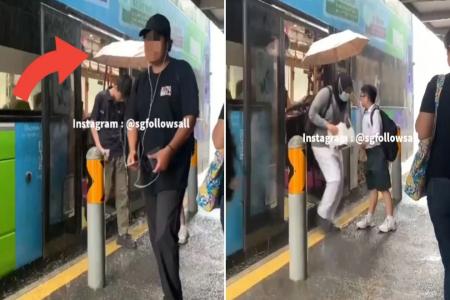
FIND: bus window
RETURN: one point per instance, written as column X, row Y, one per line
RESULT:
column 10, row 71
column 92, row 73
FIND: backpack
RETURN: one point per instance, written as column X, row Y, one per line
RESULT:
column 310, row 127
column 389, row 128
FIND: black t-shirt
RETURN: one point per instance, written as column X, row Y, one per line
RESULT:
column 438, row 165
column 176, row 96
column 230, row 157
column 222, row 183
column 221, row 114
column 106, row 109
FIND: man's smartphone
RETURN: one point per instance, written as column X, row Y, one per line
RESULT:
column 151, row 162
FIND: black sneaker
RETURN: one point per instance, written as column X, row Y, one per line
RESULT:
column 126, row 241
column 326, row 225
column 334, row 228
column 322, row 223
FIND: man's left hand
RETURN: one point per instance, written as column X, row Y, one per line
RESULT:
column 163, row 158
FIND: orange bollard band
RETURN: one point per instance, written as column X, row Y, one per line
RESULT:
column 95, row 171
column 194, row 157
column 297, row 180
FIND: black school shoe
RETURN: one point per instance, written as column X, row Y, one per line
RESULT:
column 125, row 240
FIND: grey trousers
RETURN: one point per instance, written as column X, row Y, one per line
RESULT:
column 116, row 176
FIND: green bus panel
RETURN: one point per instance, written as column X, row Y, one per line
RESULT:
column 7, row 253
column 7, row 144
column 7, row 196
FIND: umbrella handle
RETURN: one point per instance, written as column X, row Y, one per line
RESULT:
column 104, row 78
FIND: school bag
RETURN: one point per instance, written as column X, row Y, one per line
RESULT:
column 389, row 130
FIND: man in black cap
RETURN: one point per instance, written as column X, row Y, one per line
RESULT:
column 166, row 91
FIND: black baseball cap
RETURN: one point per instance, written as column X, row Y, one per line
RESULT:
column 447, row 40
column 157, row 23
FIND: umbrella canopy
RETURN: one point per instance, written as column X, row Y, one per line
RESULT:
column 334, row 48
column 122, row 54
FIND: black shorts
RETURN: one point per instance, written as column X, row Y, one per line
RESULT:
column 377, row 170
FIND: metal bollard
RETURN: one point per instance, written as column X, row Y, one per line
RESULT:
column 96, row 220
column 397, row 172
column 298, row 235
column 192, row 182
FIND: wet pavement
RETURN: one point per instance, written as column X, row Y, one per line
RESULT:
column 132, row 274
column 365, row 264
column 235, row 265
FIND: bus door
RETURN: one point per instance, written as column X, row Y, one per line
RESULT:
column 61, row 142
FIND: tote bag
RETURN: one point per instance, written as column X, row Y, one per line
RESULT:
column 416, row 179
column 212, row 187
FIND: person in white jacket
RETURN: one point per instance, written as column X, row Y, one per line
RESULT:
column 329, row 108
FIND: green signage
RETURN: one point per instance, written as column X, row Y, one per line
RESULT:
column 343, row 9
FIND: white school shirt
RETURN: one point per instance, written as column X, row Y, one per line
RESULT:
column 371, row 129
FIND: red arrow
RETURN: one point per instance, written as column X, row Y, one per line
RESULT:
column 64, row 60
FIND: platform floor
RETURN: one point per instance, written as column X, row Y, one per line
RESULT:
column 133, row 274
column 366, row 264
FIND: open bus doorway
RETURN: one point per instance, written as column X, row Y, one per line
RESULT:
column 302, row 84
column 65, row 147
column 95, row 78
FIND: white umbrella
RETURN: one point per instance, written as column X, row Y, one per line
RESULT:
column 334, row 48
column 122, row 54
